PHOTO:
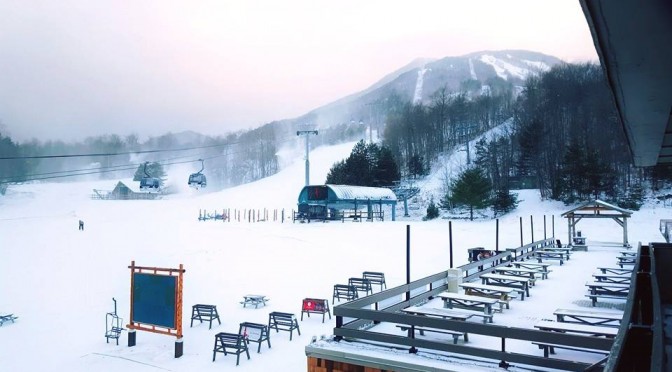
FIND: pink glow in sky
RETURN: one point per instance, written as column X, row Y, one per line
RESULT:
column 72, row 69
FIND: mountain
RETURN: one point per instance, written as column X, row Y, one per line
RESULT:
column 420, row 79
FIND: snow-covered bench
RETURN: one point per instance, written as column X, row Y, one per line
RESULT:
column 7, row 318
column 455, row 334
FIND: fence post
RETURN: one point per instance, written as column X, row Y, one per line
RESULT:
column 450, row 242
column 497, row 236
column 521, row 231
column 532, row 228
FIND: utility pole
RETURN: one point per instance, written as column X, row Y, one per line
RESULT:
column 307, row 133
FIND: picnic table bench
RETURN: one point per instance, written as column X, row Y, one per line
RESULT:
column 344, row 292
column 550, row 255
column 599, row 318
column 252, row 299
column 508, row 281
column 612, row 278
column 361, row 284
column 375, row 277
column 628, row 253
column 563, row 327
column 626, row 261
column 566, row 250
column 530, row 274
column 615, row 291
column 451, row 300
column 543, row 267
column 202, row 312
column 7, row 318
column 455, row 334
column 502, row 294
column 455, row 314
column 615, row 270
column 283, row 322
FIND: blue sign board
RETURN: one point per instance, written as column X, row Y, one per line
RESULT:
column 154, row 299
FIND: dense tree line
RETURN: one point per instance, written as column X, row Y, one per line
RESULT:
column 562, row 135
column 368, row 165
column 418, row 134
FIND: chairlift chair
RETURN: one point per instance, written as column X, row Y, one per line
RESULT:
column 149, row 183
column 198, row 180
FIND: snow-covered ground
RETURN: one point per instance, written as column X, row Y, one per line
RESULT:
column 60, row 281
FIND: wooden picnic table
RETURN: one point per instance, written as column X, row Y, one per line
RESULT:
column 531, row 274
column 612, row 278
column 436, row 311
column 607, row 290
column 564, row 327
column 550, row 255
column 564, row 251
column 503, row 294
column 508, row 281
column 601, row 318
column 628, row 253
column 252, row 299
column 616, row 270
column 7, row 318
column 535, row 265
column 624, row 260
column 451, row 299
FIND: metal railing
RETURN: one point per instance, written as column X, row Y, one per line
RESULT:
column 356, row 318
column 639, row 345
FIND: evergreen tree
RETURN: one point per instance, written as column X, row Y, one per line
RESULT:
column 336, row 175
column 504, row 202
column 471, row 189
column 386, row 170
column 416, row 167
column 367, row 165
column 432, row 210
column 154, row 169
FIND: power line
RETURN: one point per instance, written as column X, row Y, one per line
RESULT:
column 114, row 153
column 118, row 168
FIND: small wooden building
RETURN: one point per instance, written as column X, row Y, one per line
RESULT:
column 597, row 209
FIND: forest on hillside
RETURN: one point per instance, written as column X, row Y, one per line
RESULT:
column 565, row 138
column 562, row 137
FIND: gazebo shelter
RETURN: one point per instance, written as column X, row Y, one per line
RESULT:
column 597, row 209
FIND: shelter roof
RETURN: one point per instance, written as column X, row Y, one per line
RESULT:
column 598, row 207
column 122, row 185
column 347, row 192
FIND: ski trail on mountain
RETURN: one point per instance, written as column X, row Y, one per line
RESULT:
column 471, row 70
column 417, row 96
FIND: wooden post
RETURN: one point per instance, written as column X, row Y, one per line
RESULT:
column 496, row 237
column 545, row 227
column 450, row 242
column 521, row 231
column 532, row 228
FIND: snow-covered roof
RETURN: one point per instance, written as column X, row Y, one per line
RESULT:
column 597, row 207
column 347, row 192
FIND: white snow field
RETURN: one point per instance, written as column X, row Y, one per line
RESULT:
column 60, row 281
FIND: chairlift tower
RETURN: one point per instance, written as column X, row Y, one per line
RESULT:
column 307, row 133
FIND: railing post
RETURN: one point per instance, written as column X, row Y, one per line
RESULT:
column 503, row 363
column 521, row 231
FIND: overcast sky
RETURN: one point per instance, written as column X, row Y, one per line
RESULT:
column 71, row 69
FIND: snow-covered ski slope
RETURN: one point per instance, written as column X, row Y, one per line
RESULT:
column 60, row 281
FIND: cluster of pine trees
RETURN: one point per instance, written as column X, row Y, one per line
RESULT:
column 368, row 165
